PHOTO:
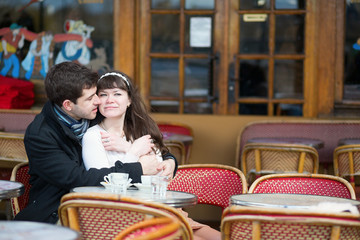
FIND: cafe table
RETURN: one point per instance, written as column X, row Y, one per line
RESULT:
column 175, row 199
column 10, row 189
column 348, row 141
column 19, row 230
column 294, row 201
column 185, row 139
column 315, row 143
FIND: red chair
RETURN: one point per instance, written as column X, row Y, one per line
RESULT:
column 20, row 174
column 313, row 184
column 152, row 229
column 213, row 184
column 168, row 128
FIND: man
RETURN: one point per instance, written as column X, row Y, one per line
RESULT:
column 53, row 143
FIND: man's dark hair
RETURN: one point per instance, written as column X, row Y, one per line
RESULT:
column 67, row 80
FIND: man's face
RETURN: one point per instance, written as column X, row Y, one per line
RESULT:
column 86, row 106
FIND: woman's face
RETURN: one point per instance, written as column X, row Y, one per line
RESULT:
column 113, row 102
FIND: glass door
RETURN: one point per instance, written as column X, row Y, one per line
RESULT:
column 239, row 57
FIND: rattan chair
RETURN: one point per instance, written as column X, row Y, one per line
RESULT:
column 347, row 162
column 178, row 150
column 213, row 184
column 104, row 216
column 313, row 184
column 258, row 159
column 255, row 223
column 152, row 229
column 178, row 128
column 12, row 152
column 20, row 173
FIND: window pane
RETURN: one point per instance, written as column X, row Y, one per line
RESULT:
column 288, row 82
column 199, row 4
column 254, row 33
column 200, row 28
column 289, row 34
column 199, row 108
column 164, row 106
column 257, row 4
column 165, row 33
column 252, row 109
column 197, row 78
column 283, row 109
column 164, row 77
column 165, row 4
column 290, row 4
column 253, row 78
column 352, row 52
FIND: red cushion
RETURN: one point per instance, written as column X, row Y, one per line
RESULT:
column 16, row 93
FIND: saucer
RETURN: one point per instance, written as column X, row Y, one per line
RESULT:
column 141, row 187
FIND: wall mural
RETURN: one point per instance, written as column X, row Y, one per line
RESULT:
column 75, row 46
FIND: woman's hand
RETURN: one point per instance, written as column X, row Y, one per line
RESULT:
column 168, row 168
column 149, row 164
column 113, row 142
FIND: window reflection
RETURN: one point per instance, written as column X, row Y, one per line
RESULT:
column 289, row 34
column 253, row 109
column 196, row 77
column 165, row 33
column 253, row 78
column 164, row 77
column 290, row 4
column 254, row 35
column 288, row 79
column 165, row 4
column 254, row 4
column 199, row 4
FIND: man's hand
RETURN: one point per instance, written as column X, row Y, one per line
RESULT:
column 168, row 168
column 142, row 146
column 149, row 164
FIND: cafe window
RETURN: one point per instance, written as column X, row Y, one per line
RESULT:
column 86, row 26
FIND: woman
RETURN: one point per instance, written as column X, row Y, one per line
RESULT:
column 125, row 116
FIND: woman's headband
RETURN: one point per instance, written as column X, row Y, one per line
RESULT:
column 115, row 74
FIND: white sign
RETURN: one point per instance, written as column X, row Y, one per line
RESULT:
column 200, row 32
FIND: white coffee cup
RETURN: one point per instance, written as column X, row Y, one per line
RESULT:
column 116, row 178
column 146, row 180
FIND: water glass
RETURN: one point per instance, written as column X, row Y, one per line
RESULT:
column 159, row 185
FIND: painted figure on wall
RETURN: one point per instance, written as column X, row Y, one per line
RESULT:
column 39, row 54
column 76, row 50
column 11, row 41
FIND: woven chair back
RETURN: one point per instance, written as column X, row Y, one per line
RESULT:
column 178, row 150
column 104, row 216
column 20, row 173
column 249, row 223
column 213, row 184
column 313, row 184
column 152, row 229
column 347, row 162
column 260, row 158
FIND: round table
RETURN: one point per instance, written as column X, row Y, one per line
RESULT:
column 283, row 200
column 175, row 199
column 11, row 230
column 315, row 143
column 10, row 189
column 348, row 141
column 186, row 139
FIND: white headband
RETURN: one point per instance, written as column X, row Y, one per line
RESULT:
column 115, row 74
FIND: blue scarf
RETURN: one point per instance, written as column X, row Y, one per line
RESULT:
column 77, row 127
